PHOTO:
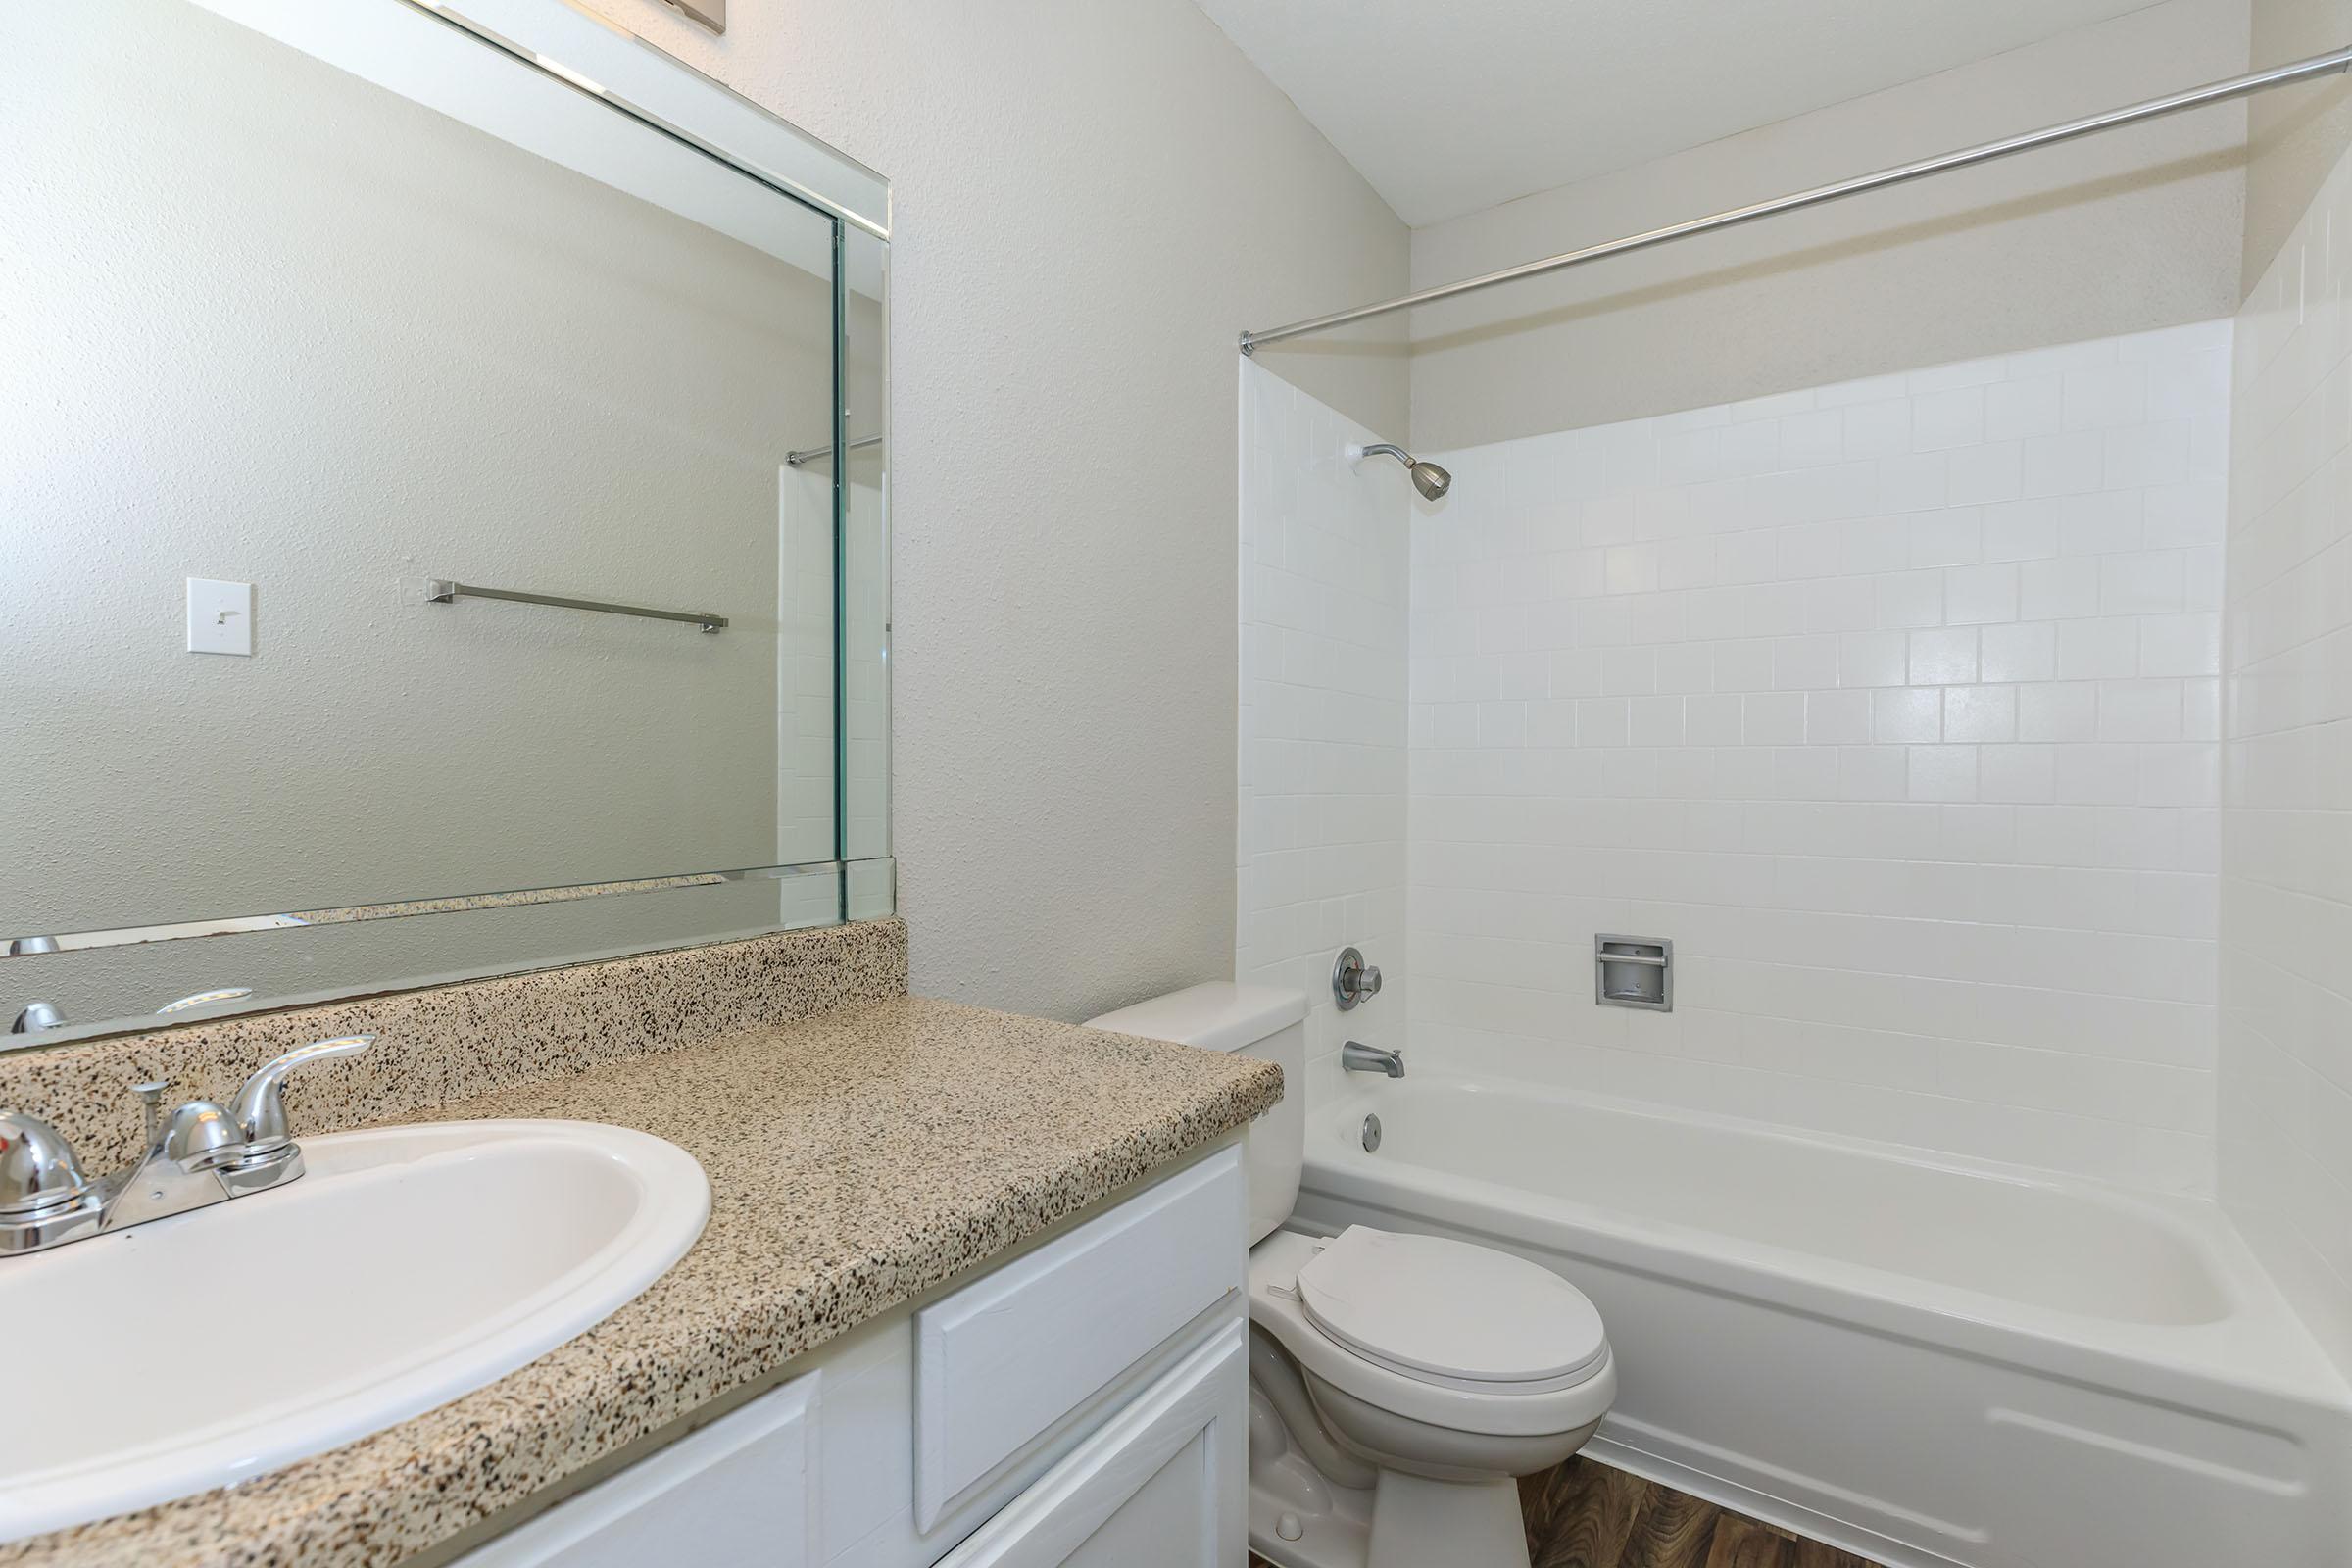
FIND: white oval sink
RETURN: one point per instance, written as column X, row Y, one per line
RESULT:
column 410, row 1265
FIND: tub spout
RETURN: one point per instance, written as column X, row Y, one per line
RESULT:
column 1356, row 1056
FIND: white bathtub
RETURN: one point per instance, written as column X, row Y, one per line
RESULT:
column 1926, row 1362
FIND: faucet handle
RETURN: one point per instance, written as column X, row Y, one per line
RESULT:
column 260, row 1107
column 1353, row 980
column 39, row 1172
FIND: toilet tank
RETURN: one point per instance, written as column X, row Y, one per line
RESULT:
column 1257, row 1021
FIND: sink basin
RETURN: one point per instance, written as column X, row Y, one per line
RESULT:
column 410, row 1265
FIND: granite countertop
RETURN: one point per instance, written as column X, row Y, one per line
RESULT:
column 855, row 1160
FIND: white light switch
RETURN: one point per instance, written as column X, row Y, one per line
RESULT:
column 220, row 617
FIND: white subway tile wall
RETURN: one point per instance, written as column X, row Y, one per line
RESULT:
column 1895, row 704
column 1321, row 839
column 2287, row 808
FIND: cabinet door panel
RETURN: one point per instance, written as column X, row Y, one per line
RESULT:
column 1002, row 1360
column 738, row 1494
column 1162, row 1486
column 1167, row 1520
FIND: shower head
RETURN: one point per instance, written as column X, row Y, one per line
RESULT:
column 1430, row 480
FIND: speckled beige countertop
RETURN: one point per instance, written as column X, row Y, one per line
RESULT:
column 856, row 1158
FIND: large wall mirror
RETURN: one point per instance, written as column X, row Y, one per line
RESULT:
column 442, row 506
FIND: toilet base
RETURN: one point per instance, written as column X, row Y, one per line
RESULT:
column 1403, row 1522
column 1301, row 1517
column 1334, row 1523
column 1468, row 1524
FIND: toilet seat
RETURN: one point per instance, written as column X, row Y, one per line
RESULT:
column 1493, row 1407
column 1451, row 1314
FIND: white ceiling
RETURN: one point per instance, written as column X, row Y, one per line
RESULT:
column 1451, row 106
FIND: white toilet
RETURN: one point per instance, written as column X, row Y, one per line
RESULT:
column 1397, row 1383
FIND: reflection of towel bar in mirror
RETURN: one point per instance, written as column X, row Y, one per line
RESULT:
column 796, row 459
column 442, row 591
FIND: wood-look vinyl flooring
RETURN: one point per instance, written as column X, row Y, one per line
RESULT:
column 1583, row 1514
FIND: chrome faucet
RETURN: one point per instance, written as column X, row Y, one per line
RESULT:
column 41, row 1016
column 1355, row 1057
column 195, row 1155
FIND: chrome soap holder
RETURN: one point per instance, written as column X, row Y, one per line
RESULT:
column 1634, row 972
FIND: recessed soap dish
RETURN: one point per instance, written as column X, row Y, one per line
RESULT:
column 1634, row 972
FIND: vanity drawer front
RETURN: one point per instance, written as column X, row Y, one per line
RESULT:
column 1002, row 1360
column 738, row 1494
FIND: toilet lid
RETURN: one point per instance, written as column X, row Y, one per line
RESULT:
column 1438, row 1309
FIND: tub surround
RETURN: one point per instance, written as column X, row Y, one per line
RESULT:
column 856, row 1158
column 1321, row 860
column 1891, row 703
column 2286, row 883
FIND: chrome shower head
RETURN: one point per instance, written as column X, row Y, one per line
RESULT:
column 1430, row 480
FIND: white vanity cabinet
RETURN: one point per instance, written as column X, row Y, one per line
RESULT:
column 1083, row 1404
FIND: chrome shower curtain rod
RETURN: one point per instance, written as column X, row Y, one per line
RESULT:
column 2334, row 60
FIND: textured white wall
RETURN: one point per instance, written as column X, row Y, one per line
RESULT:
column 2285, row 1141
column 2294, row 135
column 2136, row 229
column 1894, row 705
column 1321, row 863
column 1090, row 202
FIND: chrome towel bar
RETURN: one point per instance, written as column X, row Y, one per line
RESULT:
column 810, row 454
column 442, row 591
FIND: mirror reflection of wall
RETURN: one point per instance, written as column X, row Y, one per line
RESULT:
column 275, row 325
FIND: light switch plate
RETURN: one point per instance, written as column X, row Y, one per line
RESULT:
column 220, row 617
